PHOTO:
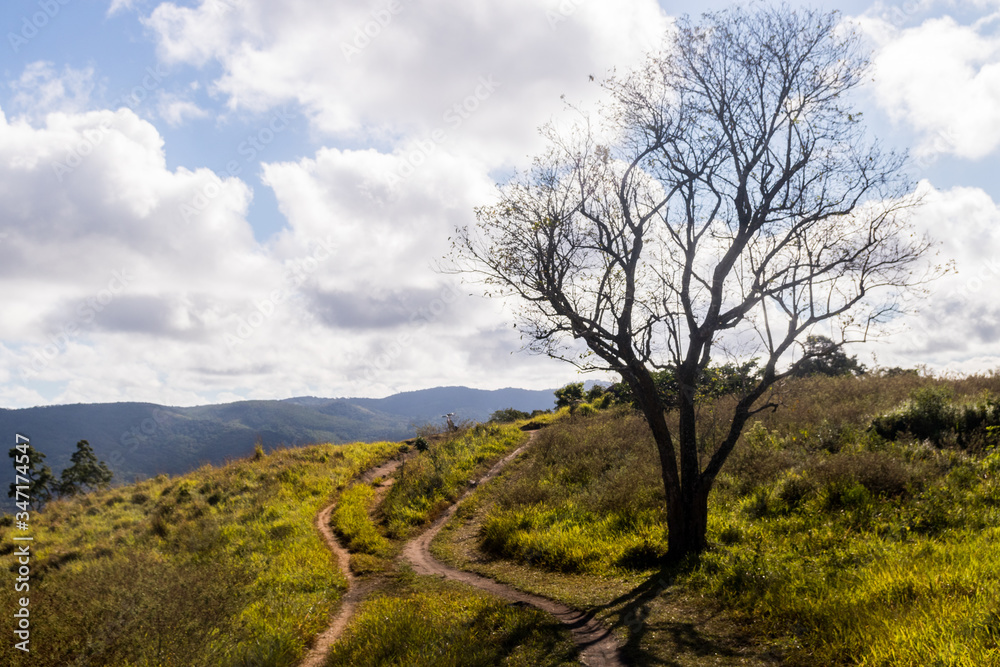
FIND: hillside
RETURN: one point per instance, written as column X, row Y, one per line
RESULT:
column 140, row 440
column 856, row 525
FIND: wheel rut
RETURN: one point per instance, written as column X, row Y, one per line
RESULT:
column 598, row 647
column 356, row 591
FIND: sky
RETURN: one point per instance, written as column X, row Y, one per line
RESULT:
column 204, row 201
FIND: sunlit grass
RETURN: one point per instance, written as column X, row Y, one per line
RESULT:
column 429, row 622
column 432, row 480
column 844, row 547
column 352, row 521
column 219, row 567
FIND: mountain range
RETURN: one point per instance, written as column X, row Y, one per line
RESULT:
column 139, row 440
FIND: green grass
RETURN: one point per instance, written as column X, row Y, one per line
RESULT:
column 219, row 567
column 577, row 505
column 838, row 545
column 424, row 621
column 352, row 521
column 432, row 480
column 867, row 579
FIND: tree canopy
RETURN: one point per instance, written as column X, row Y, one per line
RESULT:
column 726, row 200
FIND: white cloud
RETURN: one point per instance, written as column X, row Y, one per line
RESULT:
column 111, row 294
column 942, row 79
column 119, row 6
column 41, row 89
column 395, row 68
column 956, row 328
column 176, row 110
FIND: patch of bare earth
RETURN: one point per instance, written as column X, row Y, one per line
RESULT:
column 655, row 621
column 356, row 589
column 597, row 645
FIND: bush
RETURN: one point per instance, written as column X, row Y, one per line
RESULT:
column 881, row 473
column 508, row 415
column 931, row 414
column 571, row 394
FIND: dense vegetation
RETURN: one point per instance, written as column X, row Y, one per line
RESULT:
column 423, row 621
column 857, row 524
column 219, row 567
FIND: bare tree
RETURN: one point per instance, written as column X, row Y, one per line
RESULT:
column 726, row 195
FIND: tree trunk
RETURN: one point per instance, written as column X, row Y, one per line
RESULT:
column 687, row 500
column 687, row 524
column 685, row 490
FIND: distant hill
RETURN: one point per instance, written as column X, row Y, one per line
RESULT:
column 145, row 439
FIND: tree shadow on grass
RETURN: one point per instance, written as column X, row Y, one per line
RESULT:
column 686, row 634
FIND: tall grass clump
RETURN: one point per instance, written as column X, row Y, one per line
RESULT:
column 352, row 521
column 426, row 622
column 850, row 544
column 433, row 479
column 586, row 499
column 220, row 567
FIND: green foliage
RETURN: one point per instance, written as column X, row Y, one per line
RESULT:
column 932, row 414
column 580, row 502
column 824, row 357
column 569, row 395
column 86, row 473
column 425, row 622
column 221, row 567
column 431, row 481
column 352, row 522
column 508, row 415
column 716, row 381
column 42, row 484
column 849, row 548
column 421, row 444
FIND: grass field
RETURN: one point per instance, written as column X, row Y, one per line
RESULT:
column 830, row 543
column 856, row 525
column 424, row 621
column 219, row 567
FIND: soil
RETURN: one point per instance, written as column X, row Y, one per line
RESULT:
column 597, row 645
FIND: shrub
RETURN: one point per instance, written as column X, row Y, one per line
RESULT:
column 571, row 394
column 881, row 473
column 931, row 414
column 508, row 415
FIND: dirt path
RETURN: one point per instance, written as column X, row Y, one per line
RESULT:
column 355, row 592
column 598, row 646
